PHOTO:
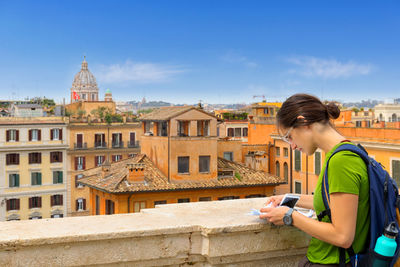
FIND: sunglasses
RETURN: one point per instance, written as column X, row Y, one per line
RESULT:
column 287, row 138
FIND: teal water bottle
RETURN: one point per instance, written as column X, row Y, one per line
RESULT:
column 386, row 244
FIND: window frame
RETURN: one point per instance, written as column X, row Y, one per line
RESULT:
column 208, row 161
column 187, row 169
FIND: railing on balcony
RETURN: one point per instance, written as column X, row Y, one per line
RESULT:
column 133, row 144
column 118, row 144
column 80, row 145
column 100, row 145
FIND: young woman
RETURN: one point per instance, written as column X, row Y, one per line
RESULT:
column 304, row 122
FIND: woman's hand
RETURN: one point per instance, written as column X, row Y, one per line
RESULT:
column 275, row 200
column 274, row 215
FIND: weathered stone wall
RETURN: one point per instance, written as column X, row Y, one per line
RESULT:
column 218, row 233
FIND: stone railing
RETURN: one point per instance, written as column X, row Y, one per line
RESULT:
column 218, row 233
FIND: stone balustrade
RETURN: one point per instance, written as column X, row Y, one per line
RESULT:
column 218, row 233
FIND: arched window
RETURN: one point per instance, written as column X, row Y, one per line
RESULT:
column 394, row 117
column 380, row 117
column 285, row 172
column 278, row 169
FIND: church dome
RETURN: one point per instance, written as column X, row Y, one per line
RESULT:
column 84, row 78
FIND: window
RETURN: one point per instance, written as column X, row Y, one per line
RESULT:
column 77, row 184
column 183, row 164
column 36, row 178
column 396, row 170
column 278, row 169
column 13, row 204
column 183, row 200
column 132, row 139
column 286, row 172
column 204, row 164
column 99, row 140
column 97, row 205
column 137, row 206
column 228, row 197
column 203, row 128
column 56, row 134
column 228, row 156
column 109, row 207
column 56, row 157
column 255, row 196
column 358, row 123
column 285, row 152
column 57, row 177
column 160, row 202
column 80, row 204
column 183, row 128
column 98, row 160
column 297, row 187
column 35, row 158
column 57, row 216
column 93, row 97
column 79, row 163
column 35, row 202
column 13, row 180
column 265, row 110
column 231, row 132
column 35, row 135
column 12, row 159
column 116, row 158
column 56, row 200
column 117, row 140
column 245, row 132
column 12, row 136
column 204, row 198
column 278, row 151
column 317, row 163
column 238, row 132
column 297, row 160
column 163, row 128
column 84, row 96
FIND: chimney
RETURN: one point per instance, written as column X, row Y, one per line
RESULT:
column 105, row 168
column 136, row 172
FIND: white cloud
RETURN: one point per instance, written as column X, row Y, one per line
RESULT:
column 137, row 72
column 328, row 68
column 233, row 57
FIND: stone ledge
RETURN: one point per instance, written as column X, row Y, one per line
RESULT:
column 213, row 233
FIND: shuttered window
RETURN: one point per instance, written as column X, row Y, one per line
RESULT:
column 297, row 160
column 278, row 169
column 317, row 162
column 56, row 157
column 13, row 204
column 12, row 135
column 57, row 177
column 297, row 187
column 35, row 158
column 13, row 180
column 56, row 134
column 12, row 159
column 36, row 178
column 286, row 172
column 109, row 207
column 56, row 200
column 231, row 132
column 35, row 202
column 278, row 151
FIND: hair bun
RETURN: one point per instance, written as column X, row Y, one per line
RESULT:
column 333, row 110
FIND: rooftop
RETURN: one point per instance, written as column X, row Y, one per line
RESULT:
column 167, row 113
column 117, row 179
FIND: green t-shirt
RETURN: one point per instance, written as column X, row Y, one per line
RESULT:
column 347, row 173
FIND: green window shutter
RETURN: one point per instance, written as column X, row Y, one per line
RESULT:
column 297, row 160
column 60, row 177
column 317, row 156
column 17, row 180
column 39, row 178
column 396, row 170
column 11, row 180
column 32, row 178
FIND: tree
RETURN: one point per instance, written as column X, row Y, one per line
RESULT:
column 81, row 113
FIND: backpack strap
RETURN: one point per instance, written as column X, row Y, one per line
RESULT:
column 359, row 150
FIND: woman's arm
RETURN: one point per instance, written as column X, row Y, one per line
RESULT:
column 305, row 201
column 338, row 233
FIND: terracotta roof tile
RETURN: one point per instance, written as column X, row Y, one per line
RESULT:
column 154, row 180
column 166, row 113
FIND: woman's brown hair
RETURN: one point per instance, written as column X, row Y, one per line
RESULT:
column 308, row 106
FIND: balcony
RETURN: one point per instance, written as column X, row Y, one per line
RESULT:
column 118, row 144
column 217, row 233
column 100, row 145
column 80, row 145
column 133, row 144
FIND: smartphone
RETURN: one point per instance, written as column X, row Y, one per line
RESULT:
column 289, row 200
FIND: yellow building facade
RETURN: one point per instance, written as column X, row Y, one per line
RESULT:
column 33, row 168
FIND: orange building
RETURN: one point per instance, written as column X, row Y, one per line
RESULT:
column 180, row 162
column 90, row 146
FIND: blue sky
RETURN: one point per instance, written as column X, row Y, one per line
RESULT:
column 214, row 51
